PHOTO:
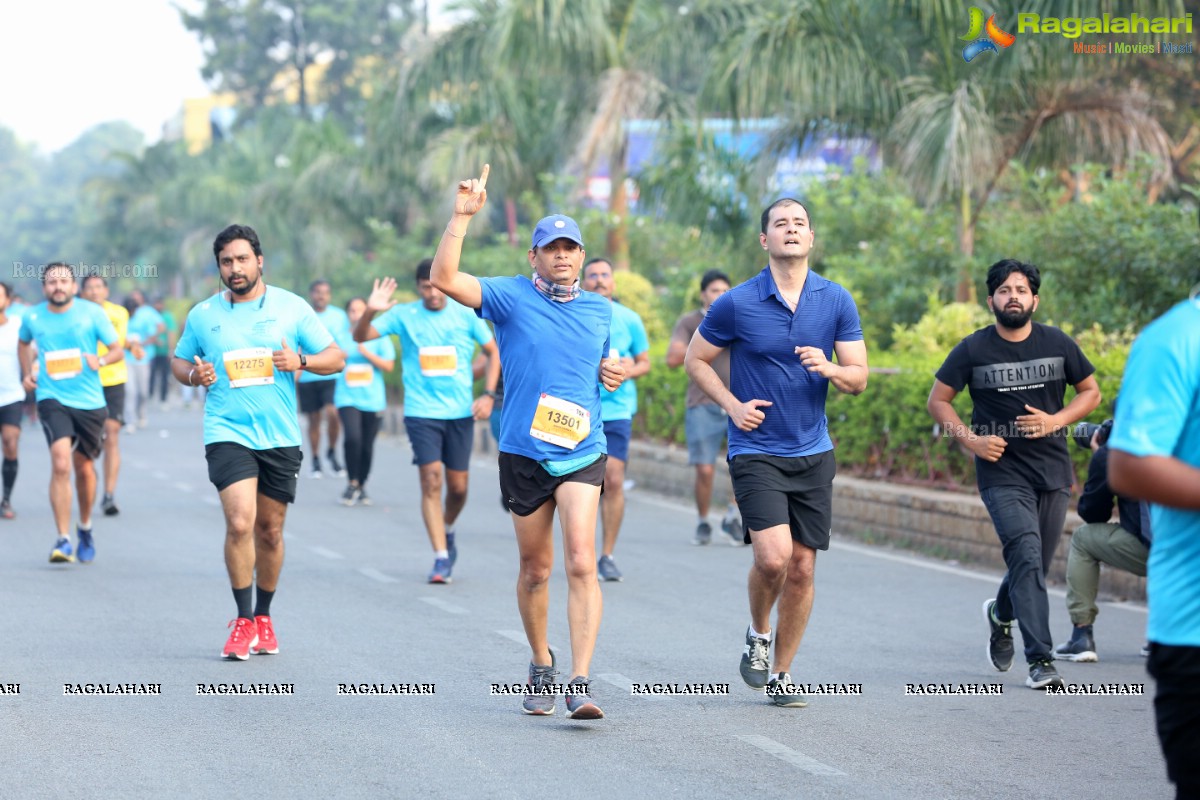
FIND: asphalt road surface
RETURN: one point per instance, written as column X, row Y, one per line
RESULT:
column 353, row 608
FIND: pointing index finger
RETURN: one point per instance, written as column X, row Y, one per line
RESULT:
column 483, row 176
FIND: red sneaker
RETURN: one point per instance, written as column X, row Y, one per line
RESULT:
column 244, row 637
column 267, row 644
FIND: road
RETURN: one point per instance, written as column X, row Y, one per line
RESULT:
column 353, row 608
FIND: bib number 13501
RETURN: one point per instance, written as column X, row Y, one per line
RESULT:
column 560, row 422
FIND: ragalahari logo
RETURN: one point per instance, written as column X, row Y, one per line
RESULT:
column 978, row 43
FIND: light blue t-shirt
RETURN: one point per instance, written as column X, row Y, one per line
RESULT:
column 143, row 324
column 261, row 413
column 360, row 384
column 1159, row 415
column 551, row 353
column 63, row 339
column 337, row 323
column 436, row 348
column 628, row 336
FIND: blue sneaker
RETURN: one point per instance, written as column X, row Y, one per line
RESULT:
column 87, row 548
column 441, row 571
column 62, row 551
column 451, row 548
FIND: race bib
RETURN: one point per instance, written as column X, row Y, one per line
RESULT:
column 438, row 362
column 250, row 366
column 359, row 376
column 63, row 364
column 560, row 422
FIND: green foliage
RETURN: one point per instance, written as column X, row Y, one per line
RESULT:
column 661, row 399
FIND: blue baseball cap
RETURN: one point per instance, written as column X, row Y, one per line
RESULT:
column 556, row 226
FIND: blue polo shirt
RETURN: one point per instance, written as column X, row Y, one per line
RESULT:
column 627, row 335
column 65, row 338
column 1159, row 415
column 338, row 324
column 549, row 350
column 762, row 333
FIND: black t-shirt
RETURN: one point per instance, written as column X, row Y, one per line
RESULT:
column 1003, row 377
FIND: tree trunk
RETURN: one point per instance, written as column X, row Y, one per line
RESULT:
column 510, row 219
column 617, row 239
column 965, row 292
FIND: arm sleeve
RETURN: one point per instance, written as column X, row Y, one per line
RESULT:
column 956, row 369
column 1078, row 367
column 717, row 328
column 497, row 299
column 387, row 323
column 849, row 326
column 480, row 331
column 25, row 333
column 1156, row 395
column 311, row 335
column 188, row 347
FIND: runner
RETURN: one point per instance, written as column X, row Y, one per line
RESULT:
column 437, row 344
column 553, row 340
column 245, row 346
column 316, row 391
column 70, row 398
column 360, row 398
column 12, row 398
column 112, row 378
column 627, row 337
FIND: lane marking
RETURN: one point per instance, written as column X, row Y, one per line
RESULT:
column 625, row 684
column 785, row 753
column 162, row 476
column 213, row 501
column 183, row 487
column 322, row 551
column 519, row 638
column 376, row 575
column 444, row 605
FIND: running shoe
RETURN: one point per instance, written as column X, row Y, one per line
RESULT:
column 334, row 465
column 1080, row 647
column 363, row 500
column 784, row 693
column 703, row 534
column 241, row 640
column 109, row 506
column 607, row 569
column 541, row 679
column 6, row 510
column 87, row 548
column 1042, row 674
column 731, row 524
column 267, row 644
column 451, row 548
column 1145, row 651
column 755, row 660
column 579, row 700
column 441, row 571
column 316, row 469
column 62, row 551
column 351, row 496
column 1000, row 640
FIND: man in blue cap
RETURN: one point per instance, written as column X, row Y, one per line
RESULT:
column 554, row 342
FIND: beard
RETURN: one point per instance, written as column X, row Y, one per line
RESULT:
column 246, row 288
column 1013, row 319
column 66, row 298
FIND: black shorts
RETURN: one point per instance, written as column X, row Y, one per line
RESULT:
column 1176, row 670
column 525, row 486
column 315, row 395
column 84, row 426
column 11, row 413
column 115, row 397
column 276, row 468
column 797, row 492
column 446, row 440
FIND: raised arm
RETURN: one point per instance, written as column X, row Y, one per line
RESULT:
column 444, row 274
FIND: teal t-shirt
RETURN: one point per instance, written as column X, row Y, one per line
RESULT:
column 360, row 384
column 627, row 335
column 260, row 411
column 337, row 323
column 143, row 324
column 63, row 339
column 436, row 348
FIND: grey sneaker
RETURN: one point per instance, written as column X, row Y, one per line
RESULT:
column 579, row 700
column 351, row 496
column 1042, row 674
column 755, row 660
column 1145, row 651
column 540, row 678
column 1080, row 647
column 731, row 524
column 703, row 534
column 784, row 693
column 607, row 568
column 1000, row 640
column 109, row 506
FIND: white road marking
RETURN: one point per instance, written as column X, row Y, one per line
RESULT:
column 519, row 638
column 213, row 501
column 444, row 605
column 183, row 487
column 322, row 551
column 376, row 575
column 162, row 476
column 785, row 753
column 624, row 684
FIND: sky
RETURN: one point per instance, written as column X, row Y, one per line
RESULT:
column 68, row 65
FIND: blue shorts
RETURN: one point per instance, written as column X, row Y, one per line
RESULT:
column 446, row 440
column 706, row 426
column 618, row 431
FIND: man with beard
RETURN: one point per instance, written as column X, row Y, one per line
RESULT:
column 1017, row 372
column 70, row 398
column 245, row 347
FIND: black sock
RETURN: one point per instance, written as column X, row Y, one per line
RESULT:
column 242, row 598
column 10, row 476
column 262, row 606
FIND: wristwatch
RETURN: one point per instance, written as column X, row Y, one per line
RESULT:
column 491, row 394
column 303, row 361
